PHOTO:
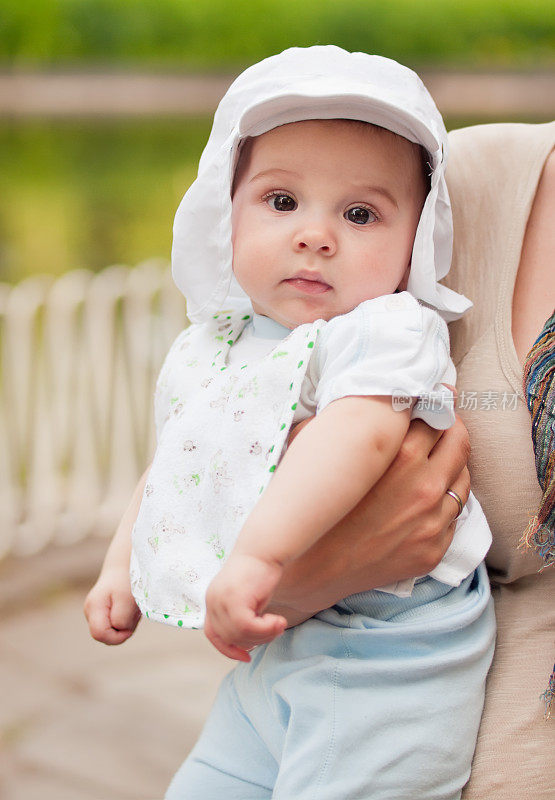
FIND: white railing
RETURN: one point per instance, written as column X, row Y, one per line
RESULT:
column 79, row 356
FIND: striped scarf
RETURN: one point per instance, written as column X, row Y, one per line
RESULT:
column 539, row 389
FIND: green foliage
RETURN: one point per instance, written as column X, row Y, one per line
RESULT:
column 219, row 34
column 88, row 194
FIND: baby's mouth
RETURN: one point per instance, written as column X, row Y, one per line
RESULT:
column 308, row 283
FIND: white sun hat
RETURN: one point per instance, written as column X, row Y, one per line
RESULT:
column 322, row 82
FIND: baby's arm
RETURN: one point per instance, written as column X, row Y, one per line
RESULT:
column 110, row 608
column 326, row 471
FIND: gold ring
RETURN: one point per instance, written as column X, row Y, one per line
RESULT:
column 456, row 497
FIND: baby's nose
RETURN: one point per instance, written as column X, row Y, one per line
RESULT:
column 317, row 239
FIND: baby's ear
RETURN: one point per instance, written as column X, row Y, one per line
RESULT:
column 404, row 280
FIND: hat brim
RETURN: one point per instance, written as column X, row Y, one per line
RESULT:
column 311, row 101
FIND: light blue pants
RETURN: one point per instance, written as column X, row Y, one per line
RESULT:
column 378, row 697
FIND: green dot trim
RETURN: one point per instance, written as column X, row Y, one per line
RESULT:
column 180, row 623
column 310, row 344
column 301, row 362
column 282, row 427
column 166, row 616
column 290, row 386
column 247, row 316
column 271, row 450
column 293, row 407
column 272, row 468
column 230, row 341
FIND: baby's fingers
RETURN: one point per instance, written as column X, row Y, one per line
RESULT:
column 252, row 631
column 266, row 627
column 229, row 650
column 124, row 614
column 101, row 629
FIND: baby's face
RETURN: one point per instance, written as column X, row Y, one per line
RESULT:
column 324, row 217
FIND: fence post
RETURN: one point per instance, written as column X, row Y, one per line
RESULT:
column 79, row 357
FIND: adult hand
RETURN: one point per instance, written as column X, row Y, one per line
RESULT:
column 401, row 529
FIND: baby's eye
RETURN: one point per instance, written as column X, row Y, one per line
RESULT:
column 281, row 202
column 360, row 215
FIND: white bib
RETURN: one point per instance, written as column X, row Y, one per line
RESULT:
column 208, row 471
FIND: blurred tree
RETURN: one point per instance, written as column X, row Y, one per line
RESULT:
column 217, row 34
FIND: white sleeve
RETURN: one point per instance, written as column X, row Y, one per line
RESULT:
column 390, row 345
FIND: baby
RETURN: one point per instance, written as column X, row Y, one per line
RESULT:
column 320, row 221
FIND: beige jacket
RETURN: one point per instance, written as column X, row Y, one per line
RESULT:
column 493, row 174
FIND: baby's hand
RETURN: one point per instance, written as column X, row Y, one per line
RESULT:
column 110, row 608
column 235, row 602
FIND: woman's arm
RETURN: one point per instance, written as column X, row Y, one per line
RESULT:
column 400, row 529
column 534, row 292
